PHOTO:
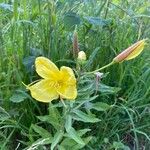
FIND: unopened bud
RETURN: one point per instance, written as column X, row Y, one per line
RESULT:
column 82, row 56
column 131, row 52
column 75, row 43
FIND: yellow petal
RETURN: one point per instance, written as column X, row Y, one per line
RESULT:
column 43, row 91
column 67, row 75
column 67, row 88
column 67, row 91
column 137, row 50
column 45, row 68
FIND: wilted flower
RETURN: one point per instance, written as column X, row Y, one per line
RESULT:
column 131, row 52
column 81, row 55
column 54, row 82
column 99, row 75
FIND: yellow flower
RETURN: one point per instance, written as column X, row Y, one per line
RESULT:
column 131, row 52
column 55, row 82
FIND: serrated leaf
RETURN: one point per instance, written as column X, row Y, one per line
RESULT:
column 74, row 135
column 68, row 144
column 3, row 114
column 79, row 147
column 86, row 89
column 38, row 143
column 83, row 131
column 87, row 99
column 100, row 106
column 54, row 113
column 57, row 137
column 51, row 120
column 81, row 116
column 18, row 96
column 41, row 131
column 105, row 89
column 68, row 122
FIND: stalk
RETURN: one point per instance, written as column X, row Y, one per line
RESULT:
column 108, row 65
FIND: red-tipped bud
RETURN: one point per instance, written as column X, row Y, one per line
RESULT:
column 131, row 52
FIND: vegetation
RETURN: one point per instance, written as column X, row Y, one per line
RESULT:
column 111, row 111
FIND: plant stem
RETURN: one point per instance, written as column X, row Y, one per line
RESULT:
column 101, row 68
column 107, row 7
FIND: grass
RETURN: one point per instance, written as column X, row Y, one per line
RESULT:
column 29, row 29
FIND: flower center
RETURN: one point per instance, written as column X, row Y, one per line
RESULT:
column 58, row 83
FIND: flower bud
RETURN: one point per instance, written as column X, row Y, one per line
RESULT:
column 131, row 52
column 82, row 56
column 75, row 44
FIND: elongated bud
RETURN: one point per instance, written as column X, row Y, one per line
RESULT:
column 131, row 52
column 82, row 56
column 75, row 44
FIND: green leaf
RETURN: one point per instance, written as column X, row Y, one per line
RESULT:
column 105, row 89
column 98, row 21
column 74, row 135
column 42, row 132
column 3, row 114
column 70, row 20
column 57, row 137
column 19, row 96
column 119, row 145
column 100, row 106
column 68, row 122
column 39, row 143
column 61, row 147
column 54, row 113
column 79, row 147
column 51, row 120
column 86, row 99
column 9, row 7
column 81, row 116
column 83, row 131
column 68, row 144
column 28, row 62
column 86, row 89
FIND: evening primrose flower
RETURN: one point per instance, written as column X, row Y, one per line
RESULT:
column 54, row 82
column 131, row 52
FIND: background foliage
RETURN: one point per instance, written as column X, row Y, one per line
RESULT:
column 113, row 114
